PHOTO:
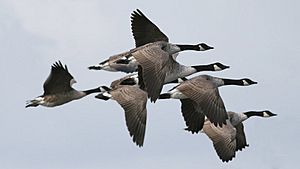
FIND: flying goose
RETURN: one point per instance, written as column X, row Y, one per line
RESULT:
column 58, row 90
column 144, row 32
column 165, row 70
column 124, row 62
column 133, row 100
column 231, row 137
column 200, row 97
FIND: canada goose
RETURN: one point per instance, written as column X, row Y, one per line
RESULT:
column 133, row 79
column 124, row 62
column 58, row 90
column 231, row 137
column 144, row 32
column 133, row 100
column 200, row 97
column 159, row 65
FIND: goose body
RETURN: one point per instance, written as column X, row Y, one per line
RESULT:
column 231, row 137
column 58, row 88
column 200, row 97
column 144, row 32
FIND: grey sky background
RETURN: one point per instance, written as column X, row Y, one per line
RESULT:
column 258, row 39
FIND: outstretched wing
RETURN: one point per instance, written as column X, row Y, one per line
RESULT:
column 192, row 114
column 59, row 79
column 152, row 60
column 133, row 100
column 223, row 139
column 240, row 137
column 207, row 97
column 144, row 31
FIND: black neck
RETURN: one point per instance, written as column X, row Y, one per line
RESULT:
column 204, row 68
column 233, row 82
column 254, row 113
column 90, row 91
column 188, row 47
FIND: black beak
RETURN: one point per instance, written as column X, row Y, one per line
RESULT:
column 210, row 47
column 226, row 67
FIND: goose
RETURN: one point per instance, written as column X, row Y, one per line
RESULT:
column 124, row 62
column 200, row 97
column 160, row 65
column 58, row 88
column 231, row 137
column 133, row 100
column 144, row 32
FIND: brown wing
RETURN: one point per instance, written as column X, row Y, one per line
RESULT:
column 59, row 79
column 207, row 97
column 192, row 114
column 133, row 100
column 144, row 31
column 152, row 60
column 223, row 139
column 240, row 137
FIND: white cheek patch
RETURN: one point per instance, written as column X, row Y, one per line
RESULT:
column 107, row 95
column 201, row 48
column 245, row 83
column 265, row 114
column 217, row 68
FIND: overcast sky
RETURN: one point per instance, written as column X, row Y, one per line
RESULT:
column 258, row 39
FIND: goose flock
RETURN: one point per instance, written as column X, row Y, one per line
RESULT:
column 150, row 65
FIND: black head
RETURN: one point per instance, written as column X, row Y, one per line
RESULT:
column 247, row 82
column 267, row 113
column 219, row 66
column 203, row 47
column 104, row 88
